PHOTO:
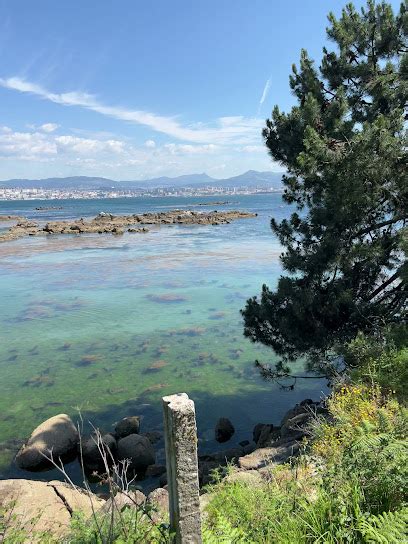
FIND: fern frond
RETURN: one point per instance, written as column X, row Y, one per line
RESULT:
column 386, row 528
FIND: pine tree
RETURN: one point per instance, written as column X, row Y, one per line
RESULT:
column 344, row 147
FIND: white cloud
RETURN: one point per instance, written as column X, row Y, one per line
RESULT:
column 254, row 149
column 33, row 153
column 150, row 143
column 26, row 144
column 225, row 130
column 49, row 127
column 188, row 149
column 86, row 146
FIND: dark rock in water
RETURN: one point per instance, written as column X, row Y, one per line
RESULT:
column 163, row 480
column 256, row 433
column 57, row 434
column 153, row 436
column 127, row 426
column 224, row 430
column 138, row 450
column 307, row 402
column 93, row 447
column 244, row 443
column 155, row 470
column 267, row 436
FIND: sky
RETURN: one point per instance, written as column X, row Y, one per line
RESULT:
column 137, row 89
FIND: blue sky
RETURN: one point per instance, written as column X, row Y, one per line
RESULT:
column 135, row 89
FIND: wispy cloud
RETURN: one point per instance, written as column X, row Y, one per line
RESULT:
column 264, row 94
column 226, row 130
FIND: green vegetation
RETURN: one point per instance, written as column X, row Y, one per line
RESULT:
column 349, row 485
column 344, row 146
column 132, row 526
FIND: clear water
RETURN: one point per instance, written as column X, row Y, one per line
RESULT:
column 107, row 325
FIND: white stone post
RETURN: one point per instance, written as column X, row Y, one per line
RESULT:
column 180, row 433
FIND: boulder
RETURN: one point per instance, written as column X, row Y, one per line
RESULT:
column 296, row 427
column 153, row 436
column 44, row 507
column 127, row 426
column 130, row 499
column 224, row 430
column 248, row 449
column 248, row 477
column 228, row 455
column 138, row 450
column 263, row 430
column 58, row 434
column 155, row 470
column 163, row 480
column 266, row 456
column 159, row 499
column 92, row 449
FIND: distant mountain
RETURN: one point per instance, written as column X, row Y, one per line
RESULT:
column 251, row 178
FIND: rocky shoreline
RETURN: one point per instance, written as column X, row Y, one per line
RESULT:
column 52, row 503
column 59, row 435
column 118, row 224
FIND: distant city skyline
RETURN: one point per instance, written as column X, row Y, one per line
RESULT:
column 136, row 90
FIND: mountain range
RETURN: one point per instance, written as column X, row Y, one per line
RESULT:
column 251, row 178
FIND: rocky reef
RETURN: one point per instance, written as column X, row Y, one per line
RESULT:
column 118, row 224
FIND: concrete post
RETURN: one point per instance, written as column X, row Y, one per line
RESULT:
column 180, row 433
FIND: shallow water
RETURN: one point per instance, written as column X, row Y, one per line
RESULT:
column 106, row 325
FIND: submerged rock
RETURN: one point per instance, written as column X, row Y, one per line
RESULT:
column 57, row 435
column 224, row 430
column 138, row 450
column 128, row 425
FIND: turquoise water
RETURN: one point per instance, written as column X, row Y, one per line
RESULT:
column 105, row 326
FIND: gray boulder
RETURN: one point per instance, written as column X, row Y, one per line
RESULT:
column 224, row 430
column 57, row 434
column 127, row 426
column 139, row 450
column 159, row 499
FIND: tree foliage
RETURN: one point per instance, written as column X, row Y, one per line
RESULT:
column 344, row 147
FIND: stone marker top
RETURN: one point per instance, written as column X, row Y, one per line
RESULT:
column 179, row 401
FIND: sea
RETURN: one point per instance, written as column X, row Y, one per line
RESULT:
column 102, row 327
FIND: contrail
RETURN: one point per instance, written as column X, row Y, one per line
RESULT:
column 264, row 94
